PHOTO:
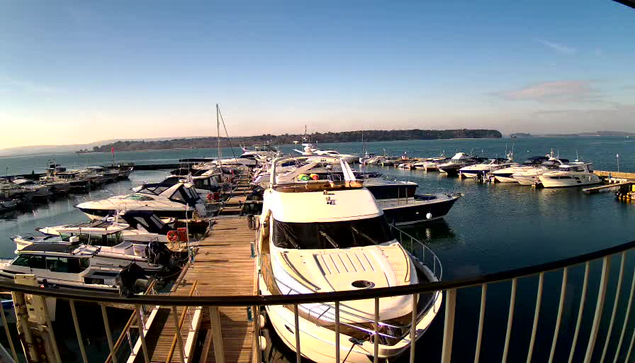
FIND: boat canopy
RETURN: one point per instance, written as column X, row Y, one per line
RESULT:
column 323, row 206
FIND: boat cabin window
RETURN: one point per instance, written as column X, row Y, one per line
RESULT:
column 22, row 260
column 111, row 239
column 328, row 235
column 139, row 197
column 202, row 183
column 31, row 261
column 185, row 196
column 64, row 264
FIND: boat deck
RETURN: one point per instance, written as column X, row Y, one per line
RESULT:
column 222, row 266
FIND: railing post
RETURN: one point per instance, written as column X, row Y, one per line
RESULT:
column 624, row 325
column 111, row 345
column 604, row 280
column 510, row 318
column 585, row 285
column 413, row 328
column 142, row 334
column 534, row 329
column 376, row 340
column 179, row 337
column 78, row 331
column 448, row 327
column 217, row 334
column 8, row 333
column 481, row 323
column 296, row 316
column 616, row 301
column 563, row 292
column 337, row 331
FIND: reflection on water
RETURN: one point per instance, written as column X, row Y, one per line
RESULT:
column 435, row 233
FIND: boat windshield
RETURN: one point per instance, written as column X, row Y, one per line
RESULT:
column 328, row 235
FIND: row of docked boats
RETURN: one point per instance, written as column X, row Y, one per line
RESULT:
column 547, row 171
column 106, row 255
column 129, row 237
column 57, row 181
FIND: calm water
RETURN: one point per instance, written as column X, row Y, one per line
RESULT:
column 493, row 227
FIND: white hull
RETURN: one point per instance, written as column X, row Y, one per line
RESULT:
column 504, row 179
column 527, row 180
column 576, row 181
column 317, row 343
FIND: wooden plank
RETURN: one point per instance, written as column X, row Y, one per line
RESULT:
column 223, row 266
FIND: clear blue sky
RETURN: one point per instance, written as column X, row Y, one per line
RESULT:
column 78, row 71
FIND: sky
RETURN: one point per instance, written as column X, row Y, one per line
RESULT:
column 75, row 72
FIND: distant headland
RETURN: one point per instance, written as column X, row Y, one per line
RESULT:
column 286, row 139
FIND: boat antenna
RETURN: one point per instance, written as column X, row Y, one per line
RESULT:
column 577, row 157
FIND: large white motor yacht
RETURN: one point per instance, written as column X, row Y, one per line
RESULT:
column 176, row 201
column 570, row 175
column 320, row 236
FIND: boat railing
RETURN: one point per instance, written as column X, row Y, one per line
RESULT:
column 574, row 309
column 325, row 312
column 420, row 253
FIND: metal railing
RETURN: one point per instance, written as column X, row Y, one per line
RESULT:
column 600, row 314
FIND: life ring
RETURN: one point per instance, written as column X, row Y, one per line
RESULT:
column 173, row 236
column 209, row 197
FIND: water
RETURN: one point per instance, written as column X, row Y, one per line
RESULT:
column 493, row 227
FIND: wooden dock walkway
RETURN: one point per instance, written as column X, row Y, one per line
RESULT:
column 222, row 266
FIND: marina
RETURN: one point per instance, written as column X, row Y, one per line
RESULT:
column 388, row 182
column 232, row 322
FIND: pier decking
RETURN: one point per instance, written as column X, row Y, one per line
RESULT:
column 222, row 266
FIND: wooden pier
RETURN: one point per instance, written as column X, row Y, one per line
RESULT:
column 223, row 265
column 615, row 175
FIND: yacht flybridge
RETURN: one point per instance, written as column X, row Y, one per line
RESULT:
column 327, row 234
column 176, row 201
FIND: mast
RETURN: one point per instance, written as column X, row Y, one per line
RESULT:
column 220, row 154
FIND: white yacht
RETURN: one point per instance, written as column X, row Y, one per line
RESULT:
column 135, row 226
column 482, row 169
column 117, row 255
column 311, row 150
column 57, row 265
column 458, row 161
column 177, row 201
column 506, row 175
column 531, row 175
column 323, row 236
column 570, row 175
column 430, row 164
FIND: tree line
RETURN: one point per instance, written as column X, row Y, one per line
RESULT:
column 286, row 139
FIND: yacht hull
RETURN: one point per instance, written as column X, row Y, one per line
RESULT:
column 575, row 181
column 421, row 209
column 505, row 179
column 317, row 343
column 97, row 214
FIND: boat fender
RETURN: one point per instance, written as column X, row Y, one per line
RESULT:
column 172, row 236
column 429, row 216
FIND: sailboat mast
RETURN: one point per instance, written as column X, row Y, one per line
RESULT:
column 220, row 155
